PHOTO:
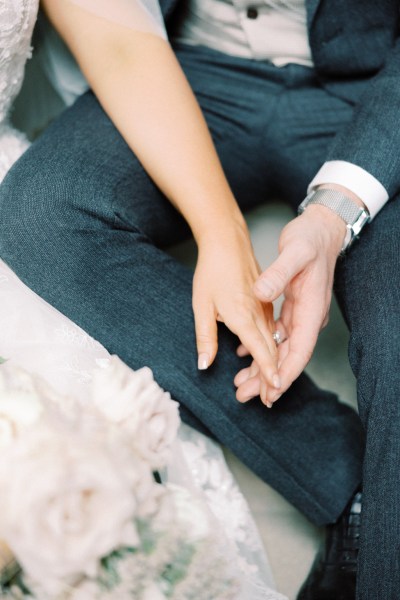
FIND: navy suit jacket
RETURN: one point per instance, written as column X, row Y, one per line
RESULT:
column 355, row 46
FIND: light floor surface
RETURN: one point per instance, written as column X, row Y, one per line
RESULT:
column 290, row 540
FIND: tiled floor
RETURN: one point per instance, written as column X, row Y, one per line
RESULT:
column 290, row 540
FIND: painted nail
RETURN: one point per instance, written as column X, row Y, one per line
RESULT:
column 276, row 380
column 264, row 287
column 247, row 398
column 203, row 361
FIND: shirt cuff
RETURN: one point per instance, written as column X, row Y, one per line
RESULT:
column 354, row 178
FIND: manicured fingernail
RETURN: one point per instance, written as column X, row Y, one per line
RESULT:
column 276, row 380
column 263, row 391
column 269, row 404
column 264, row 288
column 247, row 398
column 203, row 361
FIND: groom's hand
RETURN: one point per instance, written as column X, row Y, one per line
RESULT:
column 308, row 249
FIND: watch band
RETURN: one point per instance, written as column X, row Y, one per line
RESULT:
column 352, row 214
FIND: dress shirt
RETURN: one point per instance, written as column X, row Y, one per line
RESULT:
column 356, row 179
column 239, row 27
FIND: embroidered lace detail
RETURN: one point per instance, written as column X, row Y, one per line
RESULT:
column 17, row 18
column 203, row 468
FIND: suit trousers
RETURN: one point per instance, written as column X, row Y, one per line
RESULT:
column 86, row 228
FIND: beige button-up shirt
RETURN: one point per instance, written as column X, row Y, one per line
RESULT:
column 274, row 30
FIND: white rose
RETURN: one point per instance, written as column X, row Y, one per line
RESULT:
column 20, row 404
column 136, row 403
column 153, row 592
column 86, row 590
column 70, row 501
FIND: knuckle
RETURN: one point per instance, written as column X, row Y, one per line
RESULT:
column 278, row 275
column 205, row 338
column 243, row 317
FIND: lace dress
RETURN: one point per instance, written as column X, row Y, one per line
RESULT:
column 17, row 19
column 37, row 337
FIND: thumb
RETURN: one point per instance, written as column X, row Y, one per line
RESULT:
column 206, row 336
column 273, row 281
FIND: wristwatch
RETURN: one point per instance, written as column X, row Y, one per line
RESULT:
column 352, row 214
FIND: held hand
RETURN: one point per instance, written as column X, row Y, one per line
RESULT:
column 309, row 246
column 223, row 291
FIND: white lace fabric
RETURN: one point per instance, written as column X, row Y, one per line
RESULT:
column 200, row 465
column 17, row 18
column 37, row 337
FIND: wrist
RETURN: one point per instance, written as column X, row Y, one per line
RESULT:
column 222, row 229
column 330, row 228
column 343, row 205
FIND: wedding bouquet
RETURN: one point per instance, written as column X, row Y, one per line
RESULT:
column 80, row 507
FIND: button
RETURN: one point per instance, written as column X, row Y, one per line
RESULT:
column 252, row 13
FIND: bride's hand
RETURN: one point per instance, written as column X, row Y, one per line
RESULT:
column 141, row 86
column 223, row 291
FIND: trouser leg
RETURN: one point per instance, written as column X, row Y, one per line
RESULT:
column 368, row 284
column 368, row 289
column 85, row 227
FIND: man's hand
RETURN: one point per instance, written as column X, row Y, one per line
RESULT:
column 308, row 249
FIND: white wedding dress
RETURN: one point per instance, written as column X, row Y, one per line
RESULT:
column 37, row 337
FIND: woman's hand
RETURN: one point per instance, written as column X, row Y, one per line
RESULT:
column 223, row 291
column 142, row 88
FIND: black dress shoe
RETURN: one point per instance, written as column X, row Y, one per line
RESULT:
column 333, row 574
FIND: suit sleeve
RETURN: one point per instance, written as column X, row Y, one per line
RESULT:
column 371, row 139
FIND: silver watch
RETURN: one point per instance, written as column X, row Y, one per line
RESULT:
column 352, row 214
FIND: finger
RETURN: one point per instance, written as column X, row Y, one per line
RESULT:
column 283, row 347
column 245, row 374
column 206, row 334
column 242, row 351
column 250, row 389
column 241, row 376
column 286, row 315
column 325, row 321
column 306, row 325
column 254, row 369
column 263, row 392
column 281, row 327
column 263, row 350
column 273, row 281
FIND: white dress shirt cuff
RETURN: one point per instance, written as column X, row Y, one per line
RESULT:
column 354, row 178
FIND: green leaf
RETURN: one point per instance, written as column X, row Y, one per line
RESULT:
column 3, row 360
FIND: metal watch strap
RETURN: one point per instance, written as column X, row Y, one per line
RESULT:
column 352, row 214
